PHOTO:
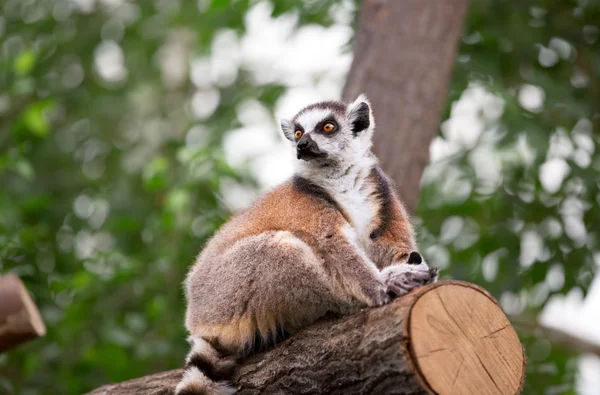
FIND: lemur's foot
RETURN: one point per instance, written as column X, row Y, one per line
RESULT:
column 402, row 278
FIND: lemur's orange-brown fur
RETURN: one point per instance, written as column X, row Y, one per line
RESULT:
column 319, row 224
column 286, row 208
column 335, row 238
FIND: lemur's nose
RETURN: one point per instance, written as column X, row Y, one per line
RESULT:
column 302, row 144
column 414, row 258
column 308, row 149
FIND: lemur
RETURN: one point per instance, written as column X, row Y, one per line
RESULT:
column 333, row 239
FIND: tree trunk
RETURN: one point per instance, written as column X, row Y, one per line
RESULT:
column 403, row 57
column 446, row 338
column 19, row 318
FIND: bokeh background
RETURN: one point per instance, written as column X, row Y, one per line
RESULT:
column 130, row 130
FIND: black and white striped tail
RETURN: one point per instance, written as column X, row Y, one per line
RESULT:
column 206, row 371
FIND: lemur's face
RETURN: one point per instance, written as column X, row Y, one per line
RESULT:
column 331, row 131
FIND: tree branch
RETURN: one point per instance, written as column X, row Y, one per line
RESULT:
column 448, row 337
column 20, row 320
column 556, row 336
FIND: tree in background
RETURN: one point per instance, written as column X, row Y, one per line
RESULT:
column 404, row 54
column 111, row 168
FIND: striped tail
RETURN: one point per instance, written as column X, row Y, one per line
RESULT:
column 206, row 371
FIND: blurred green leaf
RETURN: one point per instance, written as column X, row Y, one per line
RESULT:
column 24, row 168
column 178, row 200
column 35, row 117
column 24, row 62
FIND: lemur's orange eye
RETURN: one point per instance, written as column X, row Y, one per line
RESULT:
column 298, row 134
column 328, row 127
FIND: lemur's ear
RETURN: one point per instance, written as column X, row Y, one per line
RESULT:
column 288, row 127
column 359, row 114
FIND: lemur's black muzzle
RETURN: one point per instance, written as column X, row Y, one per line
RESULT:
column 307, row 149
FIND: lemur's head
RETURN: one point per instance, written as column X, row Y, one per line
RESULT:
column 331, row 132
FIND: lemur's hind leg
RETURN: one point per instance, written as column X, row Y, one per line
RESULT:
column 257, row 288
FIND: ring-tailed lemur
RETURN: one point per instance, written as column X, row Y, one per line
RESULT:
column 335, row 238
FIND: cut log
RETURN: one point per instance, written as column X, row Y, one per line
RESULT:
column 446, row 338
column 20, row 320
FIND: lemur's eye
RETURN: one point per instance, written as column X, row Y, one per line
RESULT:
column 298, row 134
column 328, row 127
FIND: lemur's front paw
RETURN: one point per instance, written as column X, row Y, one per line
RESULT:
column 379, row 295
column 402, row 278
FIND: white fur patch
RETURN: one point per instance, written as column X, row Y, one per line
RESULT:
column 407, row 267
column 362, row 98
column 361, row 211
column 356, row 198
column 349, row 190
column 285, row 237
column 311, row 118
column 352, row 194
column 287, row 127
column 194, row 380
column 202, row 347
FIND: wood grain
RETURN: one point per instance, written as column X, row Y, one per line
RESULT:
column 463, row 344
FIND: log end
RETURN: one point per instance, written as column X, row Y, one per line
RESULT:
column 20, row 319
column 461, row 342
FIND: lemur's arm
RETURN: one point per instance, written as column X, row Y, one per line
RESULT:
column 351, row 270
column 393, row 239
column 394, row 248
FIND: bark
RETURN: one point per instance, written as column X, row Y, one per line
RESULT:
column 20, row 320
column 384, row 351
column 403, row 57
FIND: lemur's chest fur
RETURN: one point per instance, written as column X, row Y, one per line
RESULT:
column 357, row 194
column 356, row 197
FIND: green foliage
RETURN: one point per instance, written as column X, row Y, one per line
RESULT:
column 105, row 198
